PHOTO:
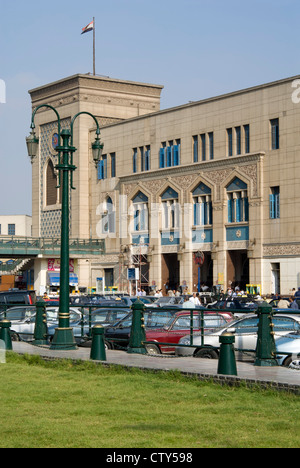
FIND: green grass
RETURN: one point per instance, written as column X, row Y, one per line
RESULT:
column 67, row 404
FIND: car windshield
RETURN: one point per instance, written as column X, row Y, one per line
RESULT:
column 111, row 316
column 20, row 313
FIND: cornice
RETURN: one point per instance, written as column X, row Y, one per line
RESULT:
column 203, row 166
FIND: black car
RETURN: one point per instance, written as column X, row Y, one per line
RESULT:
column 16, row 298
column 118, row 336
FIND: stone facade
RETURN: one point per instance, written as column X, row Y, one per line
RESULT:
column 217, row 176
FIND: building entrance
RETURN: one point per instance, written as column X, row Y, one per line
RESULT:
column 170, row 272
column 237, row 269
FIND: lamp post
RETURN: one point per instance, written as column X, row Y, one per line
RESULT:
column 63, row 337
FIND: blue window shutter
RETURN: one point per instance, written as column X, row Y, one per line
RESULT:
column 238, row 210
column 162, row 157
column 272, row 206
column 195, row 214
column 246, row 207
column 230, row 211
column 169, row 156
column 210, row 221
column 101, row 170
column 176, row 155
column 277, row 205
column 204, row 214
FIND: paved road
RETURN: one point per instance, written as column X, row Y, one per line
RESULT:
column 278, row 377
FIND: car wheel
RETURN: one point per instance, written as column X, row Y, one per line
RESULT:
column 14, row 336
column 108, row 345
column 206, row 353
column 287, row 361
column 152, row 349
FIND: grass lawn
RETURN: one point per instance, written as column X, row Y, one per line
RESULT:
column 66, row 404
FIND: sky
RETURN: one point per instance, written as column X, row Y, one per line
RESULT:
column 196, row 49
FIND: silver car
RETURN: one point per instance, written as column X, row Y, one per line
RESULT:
column 245, row 331
column 23, row 320
column 288, row 344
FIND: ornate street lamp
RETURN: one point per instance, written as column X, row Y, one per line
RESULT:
column 63, row 337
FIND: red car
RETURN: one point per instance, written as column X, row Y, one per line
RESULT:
column 180, row 325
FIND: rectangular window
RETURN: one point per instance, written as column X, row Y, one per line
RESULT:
column 147, row 158
column 238, row 140
column 275, row 203
column 274, row 134
column 162, row 155
column 229, row 141
column 238, row 207
column 142, row 153
column 11, row 229
column 195, row 149
column 113, row 164
column 247, row 138
column 211, row 145
column 203, row 146
column 169, row 156
column 134, row 161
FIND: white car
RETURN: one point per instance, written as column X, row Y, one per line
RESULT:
column 245, row 332
column 288, row 344
column 23, row 320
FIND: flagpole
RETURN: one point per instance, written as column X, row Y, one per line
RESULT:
column 94, row 47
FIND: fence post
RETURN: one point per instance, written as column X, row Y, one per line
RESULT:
column 137, row 334
column 98, row 346
column 40, row 328
column 227, row 362
column 265, row 348
column 5, row 335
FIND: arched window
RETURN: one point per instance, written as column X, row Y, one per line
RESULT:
column 170, row 209
column 238, row 206
column 202, row 205
column 51, row 185
column 140, row 210
column 108, row 218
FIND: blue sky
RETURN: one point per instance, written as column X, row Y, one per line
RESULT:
column 195, row 48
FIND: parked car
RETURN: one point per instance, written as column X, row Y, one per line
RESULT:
column 83, row 323
column 245, row 331
column 289, row 343
column 118, row 335
column 23, row 321
column 148, row 301
column 169, row 301
column 180, row 324
column 15, row 298
column 240, row 306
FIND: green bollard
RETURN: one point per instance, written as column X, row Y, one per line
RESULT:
column 265, row 348
column 137, row 334
column 227, row 362
column 98, row 346
column 5, row 335
column 40, row 328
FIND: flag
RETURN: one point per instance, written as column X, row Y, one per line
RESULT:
column 88, row 28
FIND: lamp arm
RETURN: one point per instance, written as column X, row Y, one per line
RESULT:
column 87, row 113
column 49, row 107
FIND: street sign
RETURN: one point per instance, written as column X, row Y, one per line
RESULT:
column 199, row 258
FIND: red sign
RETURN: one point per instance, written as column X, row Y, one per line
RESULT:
column 199, row 258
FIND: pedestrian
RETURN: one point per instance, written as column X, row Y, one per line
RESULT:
column 188, row 304
column 297, row 293
column 282, row 303
column 293, row 304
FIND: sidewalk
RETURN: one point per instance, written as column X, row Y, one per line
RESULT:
column 277, row 377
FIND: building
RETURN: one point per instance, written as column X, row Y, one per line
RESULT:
column 216, row 177
column 15, row 273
